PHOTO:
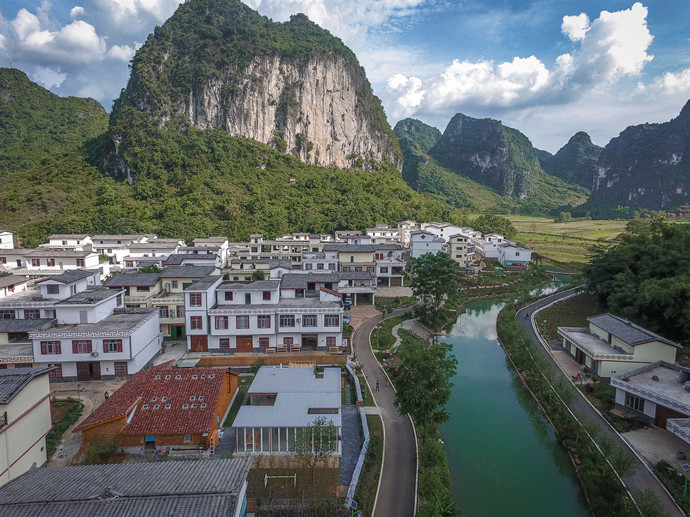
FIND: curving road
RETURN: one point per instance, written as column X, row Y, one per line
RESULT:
column 397, row 492
column 641, row 477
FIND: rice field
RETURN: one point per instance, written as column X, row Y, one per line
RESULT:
column 568, row 243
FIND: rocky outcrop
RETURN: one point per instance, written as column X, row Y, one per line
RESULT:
column 217, row 64
column 575, row 162
column 646, row 166
column 489, row 152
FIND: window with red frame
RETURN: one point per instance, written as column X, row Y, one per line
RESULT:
column 32, row 314
column 81, row 263
column 229, row 296
column 242, row 322
column 196, row 323
column 331, row 320
column 330, row 341
column 224, row 343
column 287, row 340
column 195, row 299
column 35, row 262
column 50, row 262
column 287, row 320
column 264, row 321
column 121, row 368
column 309, row 320
column 221, row 322
column 81, row 346
column 56, row 373
column 112, row 345
column 51, row 347
column 267, row 295
column 264, row 341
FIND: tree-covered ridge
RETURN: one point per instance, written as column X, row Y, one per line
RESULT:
column 575, row 162
column 415, row 135
column 201, row 183
column 35, row 122
column 646, row 278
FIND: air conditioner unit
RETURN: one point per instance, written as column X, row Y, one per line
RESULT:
column 94, row 354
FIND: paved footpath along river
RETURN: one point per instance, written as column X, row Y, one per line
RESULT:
column 503, row 455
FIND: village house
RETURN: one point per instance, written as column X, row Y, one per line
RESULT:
column 514, row 255
column 72, row 241
column 140, row 288
column 320, row 261
column 458, row 249
column 487, row 245
column 390, row 266
column 404, row 229
column 282, row 403
column 219, row 243
column 154, row 489
column 97, row 338
column 263, row 316
column 40, row 262
column 6, row 240
column 352, row 237
column 170, row 300
column 117, row 246
column 382, row 234
column 241, row 270
column 444, row 230
column 423, row 242
column 12, row 284
column 658, row 393
column 24, row 421
column 612, row 346
column 162, row 408
column 155, row 248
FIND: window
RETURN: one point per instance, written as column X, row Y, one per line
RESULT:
column 143, row 289
column 331, row 265
column 175, row 284
column 51, row 347
column 633, row 402
column 53, row 289
column 309, row 320
column 384, row 270
column 224, row 343
column 36, row 262
column 180, row 311
column 247, row 298
column 80, row 263
column 358, row 268
column 264, row 341
column 287, row 320
column 121, row 369
column 228, row 296
column 32, row 314
column 81, row 346
column 319, row 265
column 267, row 295
column 3, row 260
column 129, row 263
column 263, row 321
column 56, row 373
column 221, row 322
column 242, row 322
column 112, row 345
column 331, row 320
column 50, row 262
column 195, row 299
column 163, row 312
column 7, row 314
column 195, row 323
column 287, row 340
column 378, row 256
column 187, row 438
column 330, row 341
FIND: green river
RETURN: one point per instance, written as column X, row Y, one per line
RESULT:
column 503, row 455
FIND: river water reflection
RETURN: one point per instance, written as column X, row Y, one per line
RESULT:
column 503, row 455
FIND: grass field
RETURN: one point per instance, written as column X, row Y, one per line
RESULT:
column 570, row 243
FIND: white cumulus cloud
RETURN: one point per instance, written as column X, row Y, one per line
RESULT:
column 575, row 27
column 49, row 77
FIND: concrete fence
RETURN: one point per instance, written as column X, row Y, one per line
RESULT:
column 365, row 445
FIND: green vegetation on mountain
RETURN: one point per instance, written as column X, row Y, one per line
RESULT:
column 35, row 123
column 646, row 278
column 205, row 183
column 575, row 162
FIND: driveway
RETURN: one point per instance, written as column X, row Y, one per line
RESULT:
column 398, row 482
column 641, row 477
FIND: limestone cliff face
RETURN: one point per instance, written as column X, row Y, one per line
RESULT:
column 311, row 106
column 217, row 64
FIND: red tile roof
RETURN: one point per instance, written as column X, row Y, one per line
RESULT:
column 331, row 291
column 164, row 386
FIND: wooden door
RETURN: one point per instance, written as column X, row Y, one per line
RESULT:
column 83, row 372
column 244, row 344
column 199, row 343
column 663, row 414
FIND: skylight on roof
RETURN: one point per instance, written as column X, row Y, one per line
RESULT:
column 178, row 377
column 192, row 397
column 167, row 377
column 145, row 406
column 193, row 406
column 195, row 377
column 157, row 406
column 157, row 377
column 185, row 406
column 168, row 406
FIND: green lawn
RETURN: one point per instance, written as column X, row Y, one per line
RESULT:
column 244, row 383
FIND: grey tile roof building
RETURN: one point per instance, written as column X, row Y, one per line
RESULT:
column 627, row 331
column 12, row 382
column 133, row 279
column 175, row 488
column 71, row 276
column 187, row 271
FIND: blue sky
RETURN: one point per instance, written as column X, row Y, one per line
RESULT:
column 549, row 68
